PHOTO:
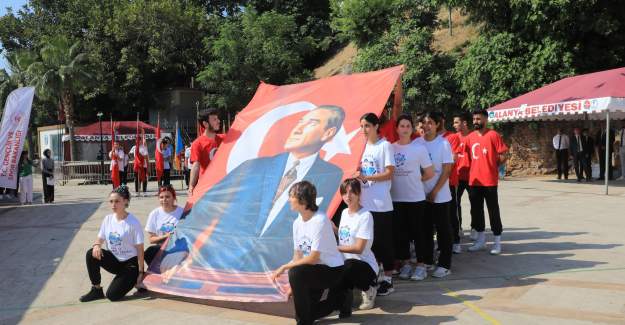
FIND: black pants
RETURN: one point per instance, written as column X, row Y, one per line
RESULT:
column 582, row 166
column 453, row 215
column 126, row 273
column 123, row 176
column 187, row 176
column 602, row 165
column 166, row 178
column 144, row 183
column 462, row 187
column 308, row 282
column 48, row 191
column 150, row 253
column 382, row 246
column 358, row 274
column 562, row 161
column 405, row 227
column 479, row 194
column 437, row 215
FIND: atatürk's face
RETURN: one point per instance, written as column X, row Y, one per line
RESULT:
column 310, row 133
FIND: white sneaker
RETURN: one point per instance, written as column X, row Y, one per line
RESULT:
column 474, row 234
column 405, row 272
column 420, row 273
column 496, row 249
column 457, row 249
column 368, row 298
column 620, row 178
column 441, row 272
column 477, row 246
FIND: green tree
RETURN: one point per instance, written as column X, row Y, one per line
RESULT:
column 61, row 75
column 248, row 49
column 526, row 44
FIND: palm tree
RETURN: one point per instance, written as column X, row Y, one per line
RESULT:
column 18, row 65
column 61, row 75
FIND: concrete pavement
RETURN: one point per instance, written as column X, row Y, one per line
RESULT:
column 563, row 262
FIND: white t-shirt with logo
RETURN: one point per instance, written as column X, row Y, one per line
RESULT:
column 409, row 160
column 316, row 234
column 376, row 196
column 358, row 225
column 161, row 222
column 121, row 236
column 440, row 153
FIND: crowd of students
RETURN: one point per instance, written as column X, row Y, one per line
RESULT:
column 400, row 196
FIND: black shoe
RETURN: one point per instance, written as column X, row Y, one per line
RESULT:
column 385, row 288
column 93, row 294
column 346, row 306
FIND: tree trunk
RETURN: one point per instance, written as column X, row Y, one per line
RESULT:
column 68, row 106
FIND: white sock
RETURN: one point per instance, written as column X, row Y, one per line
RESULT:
column 388, row 279
column 497, row 240
column 481, row 237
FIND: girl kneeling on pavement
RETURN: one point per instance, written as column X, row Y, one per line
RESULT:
column 355, row 234
column 317, row 265
column 124, row 254
column 162, row 221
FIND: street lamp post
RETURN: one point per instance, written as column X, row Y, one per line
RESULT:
column 101, row 154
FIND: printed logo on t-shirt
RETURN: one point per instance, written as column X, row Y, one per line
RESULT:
column 461, row 153
column 305, row 246
column 344, row 235
column 400, row 159
column 167, row 227
column 115, row 239
column 368, row 167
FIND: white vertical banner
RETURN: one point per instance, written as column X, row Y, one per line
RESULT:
column 15, row 119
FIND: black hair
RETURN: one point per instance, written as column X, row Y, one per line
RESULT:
column 463, row 116
column 47, row 153
column 404, row 117
column 336, row 121
column 306, row 193
column 371, row 118
column 351, row 183
column 122, row 191
column 435, row 116
column 480, row 112
column 206, row 113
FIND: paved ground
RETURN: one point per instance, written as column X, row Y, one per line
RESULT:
column 563, row 263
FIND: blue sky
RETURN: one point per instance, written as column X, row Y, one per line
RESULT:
column 15, row 5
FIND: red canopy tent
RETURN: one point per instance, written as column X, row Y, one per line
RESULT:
column 599, row 95
column 124, row 130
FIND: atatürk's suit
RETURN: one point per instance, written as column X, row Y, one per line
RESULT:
column 241, row 202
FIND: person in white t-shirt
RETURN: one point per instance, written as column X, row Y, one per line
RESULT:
column 123, row 255
column 187, row 164
column 355, row 233
column 375, row 173
column 162, row 221
column 438, row 195
column 118, row 150
column 143, row 153
column 317, row 264
column 412, row 167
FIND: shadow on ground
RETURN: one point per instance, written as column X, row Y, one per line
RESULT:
column 34, row 240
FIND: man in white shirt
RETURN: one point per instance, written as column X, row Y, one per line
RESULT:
column 561, row 146
column 620, row 148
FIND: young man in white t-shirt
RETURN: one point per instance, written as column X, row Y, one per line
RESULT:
column 317, row 264
column 124, row 254
column 438, row 195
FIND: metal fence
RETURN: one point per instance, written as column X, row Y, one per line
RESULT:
column 90, row 172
